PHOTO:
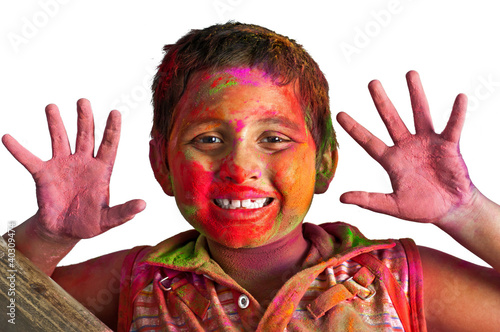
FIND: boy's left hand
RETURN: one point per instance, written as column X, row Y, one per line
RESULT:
column 431, row 184
column 428, row 175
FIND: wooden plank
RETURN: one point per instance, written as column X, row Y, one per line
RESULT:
column 39, row 304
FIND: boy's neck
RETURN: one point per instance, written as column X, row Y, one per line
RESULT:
column 263, row 270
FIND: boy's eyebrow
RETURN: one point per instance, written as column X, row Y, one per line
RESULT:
column 281, row 120
column 275, row 120
column 200, row 122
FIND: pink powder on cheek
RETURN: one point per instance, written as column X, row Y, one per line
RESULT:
column 191, row 181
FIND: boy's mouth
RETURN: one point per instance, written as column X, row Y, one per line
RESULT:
column 253, row 203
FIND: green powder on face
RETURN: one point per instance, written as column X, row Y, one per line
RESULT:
column 188, row 154
column 216, row 89
column 190, row 211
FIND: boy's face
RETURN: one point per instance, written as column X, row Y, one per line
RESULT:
column 241, row 158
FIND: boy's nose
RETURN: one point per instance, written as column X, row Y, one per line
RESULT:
column 239, row 168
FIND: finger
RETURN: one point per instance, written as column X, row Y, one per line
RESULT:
column 85, row 132
column 58, row 135
column 369, row 142
column 377, row 202
column 455, row 124
column 395, row 126
column 122, row 213
column 421, row 113
column 110, row 139
column 31, row 162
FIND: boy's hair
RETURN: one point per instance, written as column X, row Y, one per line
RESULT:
column 235, row 44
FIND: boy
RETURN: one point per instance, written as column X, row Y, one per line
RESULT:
column 242, row 138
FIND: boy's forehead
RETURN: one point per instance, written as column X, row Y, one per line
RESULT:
column 215, row 84
column 215, row 81
column 239, row 88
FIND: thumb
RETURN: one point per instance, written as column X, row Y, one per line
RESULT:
column 376, row 202
column 120, row 214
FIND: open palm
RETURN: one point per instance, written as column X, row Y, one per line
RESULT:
column 73, row 189
column 428, row 175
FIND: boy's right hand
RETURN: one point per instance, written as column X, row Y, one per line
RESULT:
column 73, row 189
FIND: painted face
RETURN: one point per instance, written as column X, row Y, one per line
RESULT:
column 241, row 159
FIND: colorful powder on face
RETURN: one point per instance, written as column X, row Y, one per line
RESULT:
column 219, row 87
column 215, row 82
column 234, row 77
column 190, row 211
column 188, row 155
column 240, row 124
column 288, row 177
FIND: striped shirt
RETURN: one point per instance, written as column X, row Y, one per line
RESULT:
column 347, row 283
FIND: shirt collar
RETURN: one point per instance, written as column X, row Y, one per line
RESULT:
column 330, row 242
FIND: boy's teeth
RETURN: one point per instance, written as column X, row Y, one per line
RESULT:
column 246, row 203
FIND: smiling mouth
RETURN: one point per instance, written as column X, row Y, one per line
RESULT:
column 253, row 203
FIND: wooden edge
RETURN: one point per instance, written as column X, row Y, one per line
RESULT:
column 32, row 301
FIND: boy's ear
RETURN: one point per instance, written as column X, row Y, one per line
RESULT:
column 158, row 158
column 326, row 170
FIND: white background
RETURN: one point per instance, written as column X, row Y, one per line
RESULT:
column 56, row 52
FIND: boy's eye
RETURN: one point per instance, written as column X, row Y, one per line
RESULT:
column 273, row 139
column 207, row 142
column 208, row 139
column 275, row 142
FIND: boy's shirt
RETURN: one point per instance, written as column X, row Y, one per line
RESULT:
column 346, row 283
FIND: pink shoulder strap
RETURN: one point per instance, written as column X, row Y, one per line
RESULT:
column 125, row 309
column 416, row 285
column 410, row 312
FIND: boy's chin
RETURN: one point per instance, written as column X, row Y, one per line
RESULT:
column 235, row 239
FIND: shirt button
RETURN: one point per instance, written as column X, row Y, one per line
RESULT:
column 243, row 301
